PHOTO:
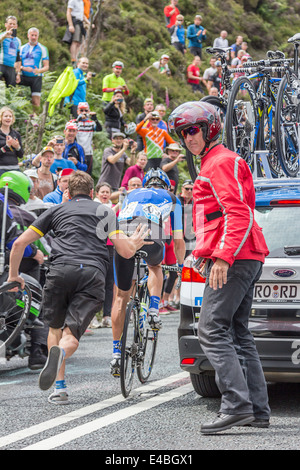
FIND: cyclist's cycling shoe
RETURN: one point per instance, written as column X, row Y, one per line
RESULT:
column 154, row 320
column 115, row 366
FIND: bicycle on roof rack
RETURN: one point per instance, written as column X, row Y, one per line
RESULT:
column 287, row 115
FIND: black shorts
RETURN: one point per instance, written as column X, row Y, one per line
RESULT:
column 9, row 75
column 35, row 84
column 124, row 268
column 72, row 295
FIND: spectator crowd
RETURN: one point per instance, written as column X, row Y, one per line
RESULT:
column 135, row 146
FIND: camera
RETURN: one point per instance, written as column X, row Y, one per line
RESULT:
column 93, row 74
column 131, row 141
column 14, row 33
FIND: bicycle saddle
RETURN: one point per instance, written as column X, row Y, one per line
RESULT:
column 295, row 38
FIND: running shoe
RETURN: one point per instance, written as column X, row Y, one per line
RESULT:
column 49, row 373
column 59, row 397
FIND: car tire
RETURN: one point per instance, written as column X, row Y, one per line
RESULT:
column 205, row 385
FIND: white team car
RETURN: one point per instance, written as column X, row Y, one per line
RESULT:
column 275, row 315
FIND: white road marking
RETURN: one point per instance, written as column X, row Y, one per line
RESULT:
column 63, row 419
column 96, row 424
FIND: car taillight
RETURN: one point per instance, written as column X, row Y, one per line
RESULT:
column 285, row 202
column 189, row 275
column 188, row 360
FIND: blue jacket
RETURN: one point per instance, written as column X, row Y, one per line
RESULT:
column 194, row 40
column 55, row 196
column 79, row 94
column 76, row 151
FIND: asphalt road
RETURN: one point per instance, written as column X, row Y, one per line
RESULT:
column 160, row 416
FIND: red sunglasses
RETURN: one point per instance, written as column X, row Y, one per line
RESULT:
column 193, row 130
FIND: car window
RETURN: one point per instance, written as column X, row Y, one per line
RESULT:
column 280, row 225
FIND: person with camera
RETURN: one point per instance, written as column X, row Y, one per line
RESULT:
column 169, row 162
column 114, row 113
column 73, row 151
column 113, row 160
column 10, row 46
column 87, row 124
column 83, row 76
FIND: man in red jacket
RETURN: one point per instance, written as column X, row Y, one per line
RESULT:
column 231, row 245
column 171, row 11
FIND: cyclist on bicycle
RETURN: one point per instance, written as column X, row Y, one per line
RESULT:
column 152, row 205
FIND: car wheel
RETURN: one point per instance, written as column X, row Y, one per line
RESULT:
column 205, row 385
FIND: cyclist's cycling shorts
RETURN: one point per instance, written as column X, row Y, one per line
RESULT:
column 124, row 268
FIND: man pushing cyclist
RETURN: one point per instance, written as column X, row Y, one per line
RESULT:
column 151, row 205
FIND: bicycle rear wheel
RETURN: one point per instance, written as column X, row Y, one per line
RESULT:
column 148, row 343
column 287, row 126
column 129, row 348
column 14, row 311
column 242, row 120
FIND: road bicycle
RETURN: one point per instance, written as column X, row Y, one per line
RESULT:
column 287, row 115
column 220, row 102
column 250, row 121
column 139, row 340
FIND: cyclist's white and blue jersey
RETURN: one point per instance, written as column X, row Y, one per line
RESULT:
column 153, row 206
column 9, row 51
column 33, row 56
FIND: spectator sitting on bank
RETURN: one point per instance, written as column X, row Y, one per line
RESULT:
column 136, row 170
column 73, row 151
column 10, row 46
column 114, row 81
column 114, row 113
column 10, row 142
column 196, row 35
column 177, row 32
column 60, row 194
column 87, row 125
column 113, row 160
column 193, row 75
column 169, row 162
column 162, row 65
column 221, row 41
column 83, row 76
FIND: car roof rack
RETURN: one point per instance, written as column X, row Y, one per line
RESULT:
column 268, row 181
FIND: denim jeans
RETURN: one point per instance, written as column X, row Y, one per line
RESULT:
column 229, row 345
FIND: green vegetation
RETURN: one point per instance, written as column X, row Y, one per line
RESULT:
column 134, row 31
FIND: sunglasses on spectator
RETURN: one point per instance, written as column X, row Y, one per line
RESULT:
column 155, row 119
column 193, row 130
column 188, row 189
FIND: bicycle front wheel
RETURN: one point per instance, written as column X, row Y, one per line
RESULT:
column 129, row 348
column 14, row 311
column 242, row 120
column 287, row 126
column 147, row 345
